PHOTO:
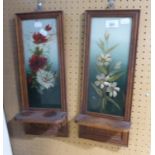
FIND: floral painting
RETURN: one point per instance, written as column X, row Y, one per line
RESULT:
column 108, row 68
column 41, row 62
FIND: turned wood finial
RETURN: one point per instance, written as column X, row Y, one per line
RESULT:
column 39, row 6
column 111, row 4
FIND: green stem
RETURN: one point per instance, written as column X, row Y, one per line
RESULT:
column 103, row 102
column 106, row 44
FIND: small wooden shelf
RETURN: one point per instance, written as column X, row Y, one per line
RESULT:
column 44, row 122
column 42, row 117
column 103, row 129
column 102, row 123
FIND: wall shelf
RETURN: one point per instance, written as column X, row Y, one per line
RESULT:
column 42, row 87
column 102, row 123
column 42, row 117
column 43, row 122
column 106, row 96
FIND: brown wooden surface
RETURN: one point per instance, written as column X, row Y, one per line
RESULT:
column 102, row 123
column 42, row 117
column 103, row 135
column 87, row 129
column 46, row 129
column 44, row 122
column 37, row 114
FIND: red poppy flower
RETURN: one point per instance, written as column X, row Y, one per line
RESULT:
column 39, row 38
column 48, row 27
column 37, row 62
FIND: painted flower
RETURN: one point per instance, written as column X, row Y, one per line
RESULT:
column 37, row 24
column 106, row 35
column 37, row 62
column 48, row 27
column 112, row 89
column 38, row 38
column 104, row 60
column 102, row 81
column 45, row 78
column 118, row 65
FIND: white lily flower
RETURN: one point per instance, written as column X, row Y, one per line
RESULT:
column 45, row 78
column 112, row 89
column 106, row 83
column 102, row 81
column 104, row 60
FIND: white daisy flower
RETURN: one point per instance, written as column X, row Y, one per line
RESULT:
column 104, row 60
column 112, row 89
column 45, row 78
column 102, row 81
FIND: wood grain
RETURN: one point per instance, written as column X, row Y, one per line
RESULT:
column 54, row 118
column 103, row 135
column 102, row 123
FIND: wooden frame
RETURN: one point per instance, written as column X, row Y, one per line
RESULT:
column 95, row 125
column 54, row 118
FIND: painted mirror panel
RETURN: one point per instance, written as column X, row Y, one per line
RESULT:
column 110, row 39
column 110, row 43
column 41, row 59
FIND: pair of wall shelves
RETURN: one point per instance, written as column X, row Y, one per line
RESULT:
column 107, row 81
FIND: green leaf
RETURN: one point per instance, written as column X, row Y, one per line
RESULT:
column 114, row 102
column 101, row 45
column 111, row 48
column 102, row 69
column 98, row 91
column 48, row 67
column 31, row 50
column 115, row 76
column 38, row 51
column 99, row 102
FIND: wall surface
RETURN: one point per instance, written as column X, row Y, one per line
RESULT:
column 139, row 140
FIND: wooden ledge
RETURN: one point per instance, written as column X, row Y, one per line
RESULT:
column 42, row 117
column 102, row 123
column 45, row 122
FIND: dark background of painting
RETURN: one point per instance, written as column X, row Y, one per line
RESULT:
column 50, row 98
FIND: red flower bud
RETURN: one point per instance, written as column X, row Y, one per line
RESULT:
column 48, row 27
column 39, row 38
